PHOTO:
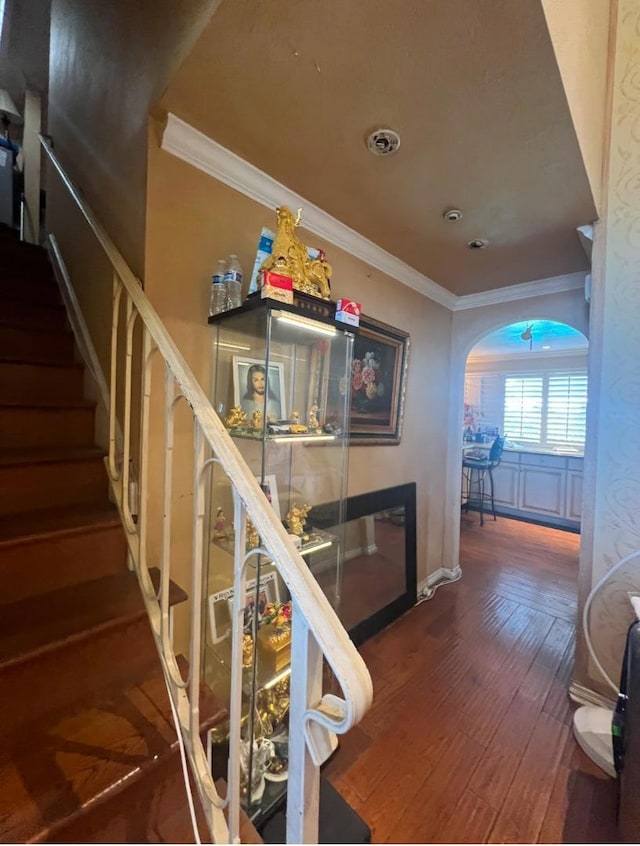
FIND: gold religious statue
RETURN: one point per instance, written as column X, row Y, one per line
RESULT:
column 313, row 421
column 247, row 650
column 253, row 538
column 296, row 518
column 236, row 418
column 257, row 420
column 290, row 258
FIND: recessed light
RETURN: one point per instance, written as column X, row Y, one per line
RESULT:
column 383, row 142
column 546, row 347
column 477, row 244
column 452, row 215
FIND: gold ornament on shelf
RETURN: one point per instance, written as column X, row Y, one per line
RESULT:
column 314, row 423
column 289, row 257
column 253, row 538
column 257, row 420
column 236, row 418
column 247, row 650
column 296, row 518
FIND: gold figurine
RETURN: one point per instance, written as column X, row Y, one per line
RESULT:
column 253, row 538
column 257, row 420
column 236, row 418
column 296, row 518
column 247, row 650
column 314, row 423
column 290, row 258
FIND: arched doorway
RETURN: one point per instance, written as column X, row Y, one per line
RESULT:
column 528, row 382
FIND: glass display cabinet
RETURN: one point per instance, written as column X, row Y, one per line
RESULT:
column 281, row 384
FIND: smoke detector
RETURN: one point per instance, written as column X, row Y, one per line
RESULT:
column 383, row 142
column 477, row 244
column 452, row 215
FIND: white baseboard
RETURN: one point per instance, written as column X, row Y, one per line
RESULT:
column 441, row 576
column 582, row 695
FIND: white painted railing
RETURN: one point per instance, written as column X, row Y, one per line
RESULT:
column 314, row 719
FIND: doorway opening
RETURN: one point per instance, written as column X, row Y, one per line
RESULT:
column 527, row 382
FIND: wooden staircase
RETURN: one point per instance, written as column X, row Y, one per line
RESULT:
column 88, row 751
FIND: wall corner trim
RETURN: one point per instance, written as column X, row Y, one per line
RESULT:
column 192, row 146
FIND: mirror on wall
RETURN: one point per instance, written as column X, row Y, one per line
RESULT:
column 378, row 581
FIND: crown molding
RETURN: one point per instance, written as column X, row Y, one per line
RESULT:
column 537, row 288
column 195, row 148
column 478, row 362
column 192, row 146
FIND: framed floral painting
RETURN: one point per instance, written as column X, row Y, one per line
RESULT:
column 377, row 383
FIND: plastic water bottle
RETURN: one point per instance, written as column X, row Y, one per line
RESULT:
column 218, row 297
column 233, row 282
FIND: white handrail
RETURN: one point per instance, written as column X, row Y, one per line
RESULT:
column 308, row 599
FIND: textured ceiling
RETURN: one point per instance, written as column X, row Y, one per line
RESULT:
column 473, row 89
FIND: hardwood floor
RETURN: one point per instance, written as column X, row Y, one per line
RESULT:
column 469, row 737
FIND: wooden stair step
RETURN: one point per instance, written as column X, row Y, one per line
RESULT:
column 54, row 523
column 41, row 551
column 54, row 662
column 47, row 424
column 24, row 263
column 19, row 263
column 29, row 344
column 33, row 315
column 32, row 380
column 40, row 288
column 10, row 243
column 60, row 616
column 34, row 479
column 100, row 750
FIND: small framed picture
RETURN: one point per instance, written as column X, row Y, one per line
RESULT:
column 221, row 605
column 256, row 390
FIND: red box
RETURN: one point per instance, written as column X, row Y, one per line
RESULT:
column 348, row 311
column 277, row 287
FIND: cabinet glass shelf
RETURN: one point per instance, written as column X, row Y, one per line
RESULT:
column 275, row 368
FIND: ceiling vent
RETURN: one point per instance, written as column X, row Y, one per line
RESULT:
column 383, row 142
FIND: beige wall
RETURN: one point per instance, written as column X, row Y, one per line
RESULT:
column 192, row 220
column 611, row 512
column 579, row 32
column 109, row 61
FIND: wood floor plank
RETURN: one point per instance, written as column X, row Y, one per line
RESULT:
column 494, row 774
column 522, row 814
column 469, row 737
column 434, row 803
column 471, row 821
column 416, row 735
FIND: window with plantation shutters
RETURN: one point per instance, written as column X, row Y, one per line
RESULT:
column 546, row 408
column 567, row 408
column 523, row 408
